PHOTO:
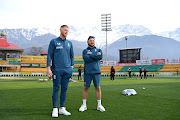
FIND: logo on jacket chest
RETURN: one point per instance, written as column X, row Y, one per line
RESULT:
column 89, row 52
column 59, row 47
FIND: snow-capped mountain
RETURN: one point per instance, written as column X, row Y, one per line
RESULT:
column 80, row 33
column 45, row 30
column 20, row 33
column 171, row 34
column 25, row 38
column 77, row 33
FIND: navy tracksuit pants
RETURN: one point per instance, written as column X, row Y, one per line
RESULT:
column 60, row 80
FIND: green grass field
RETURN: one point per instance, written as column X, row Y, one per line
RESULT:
column 25, row 98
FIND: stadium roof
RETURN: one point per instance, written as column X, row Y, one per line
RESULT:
column 129, row 48
column 4, row 45
column 44, row 53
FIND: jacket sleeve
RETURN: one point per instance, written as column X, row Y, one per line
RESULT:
column 72, row 55
column 86, row 57
column 97, row 57
column 50, row 53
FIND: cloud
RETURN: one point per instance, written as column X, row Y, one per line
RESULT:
column 157, row 15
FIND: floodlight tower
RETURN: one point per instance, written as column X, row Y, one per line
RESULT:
column 106, row 26
column 126, row 38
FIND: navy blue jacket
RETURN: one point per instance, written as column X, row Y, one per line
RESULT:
column 92, row 60
column 61, row 53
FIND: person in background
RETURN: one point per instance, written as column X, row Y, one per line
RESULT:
column 79, row 71
column 145, row 73
column 112, row 73
column 129, row 71
column 140, row 72
column 177, row 70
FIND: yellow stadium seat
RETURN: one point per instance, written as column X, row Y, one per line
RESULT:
column 11, row 69
column 33, row 69
column 170, row 68
column 108, row 68
column 3, row 62
column 33, row 62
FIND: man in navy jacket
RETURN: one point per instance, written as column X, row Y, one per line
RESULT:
column 60, row 52
column 92, row 71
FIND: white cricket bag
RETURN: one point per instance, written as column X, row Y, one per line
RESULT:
column 129, row 92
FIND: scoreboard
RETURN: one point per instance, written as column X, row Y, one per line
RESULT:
column 129, row 55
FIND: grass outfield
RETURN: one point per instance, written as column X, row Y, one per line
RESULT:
column 25, row 98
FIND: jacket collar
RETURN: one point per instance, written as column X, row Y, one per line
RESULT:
column 61, row 39
column 91, row 48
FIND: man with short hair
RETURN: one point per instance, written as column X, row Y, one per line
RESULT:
column 92, row 71
column 61, row 53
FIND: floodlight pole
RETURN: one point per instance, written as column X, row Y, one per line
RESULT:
column 106, row 48
column 106, row 26
column 126, row 37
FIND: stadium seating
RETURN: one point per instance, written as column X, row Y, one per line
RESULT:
column 76, row 70
column 78, row 58
column 33, row 61
column 103, row 68
column 14, row 62
column 170, row 68
column 78, row 62
column 150, row 68
column 77, row 65
column 108, row 68
column 33, row 69
column 3, row 62
column 11, row 69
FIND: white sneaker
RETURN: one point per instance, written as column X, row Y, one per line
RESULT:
column 83, row 108
column 101, row 108
column 55, row 112
column 63, row 111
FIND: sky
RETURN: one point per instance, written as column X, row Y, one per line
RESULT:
column 156, row 15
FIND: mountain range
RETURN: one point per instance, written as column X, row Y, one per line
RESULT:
column 153, row 45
